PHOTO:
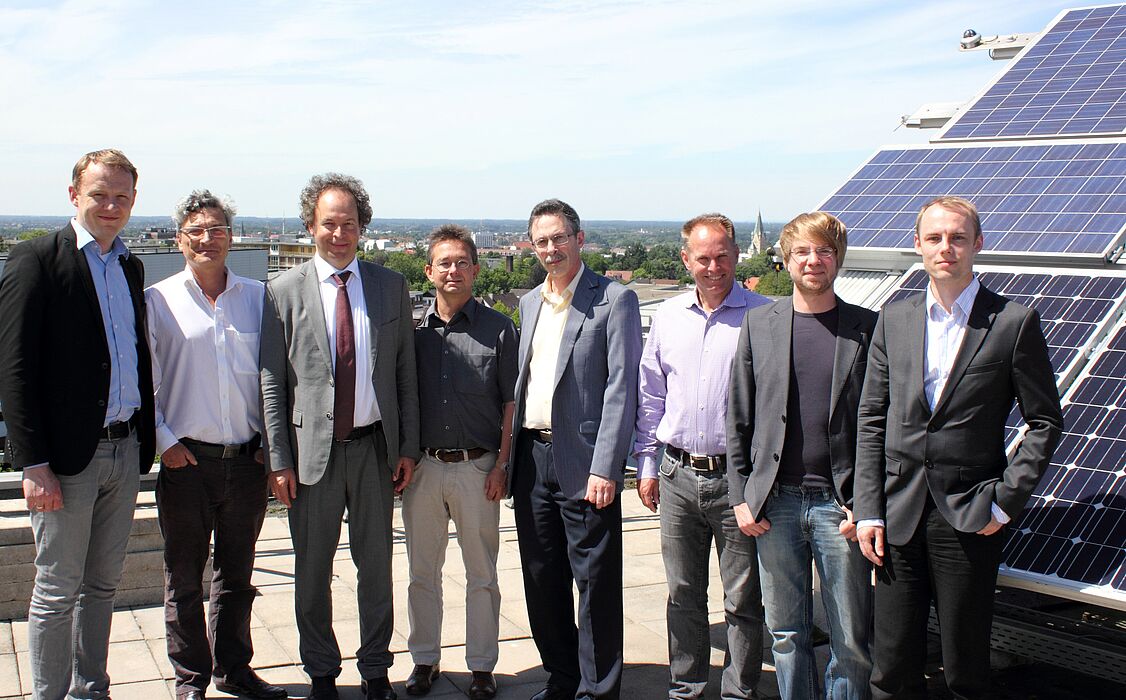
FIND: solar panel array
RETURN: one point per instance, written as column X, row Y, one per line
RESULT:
column 1033, row 197
column 1073, row 530
column 1070, row 82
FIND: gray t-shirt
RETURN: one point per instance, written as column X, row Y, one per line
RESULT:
column 805, row 453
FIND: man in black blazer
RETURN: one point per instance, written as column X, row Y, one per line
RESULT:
column 943, row 371
column 791, row 446
column 76, row 386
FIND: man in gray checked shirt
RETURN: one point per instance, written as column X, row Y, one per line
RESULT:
column 467, row 370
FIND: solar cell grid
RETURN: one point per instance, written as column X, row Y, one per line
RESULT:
column 1063, row 198
column 1071, row 81
column 1074, row 527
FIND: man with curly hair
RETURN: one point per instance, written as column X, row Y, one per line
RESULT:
column 340, row 408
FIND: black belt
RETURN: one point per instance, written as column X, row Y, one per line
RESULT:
column 451, row 455
column 214, row 451
column 360, row 432
column 700, row 463
column 541, row 434
column 121, row 429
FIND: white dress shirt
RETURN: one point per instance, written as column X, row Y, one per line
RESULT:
column 546, row 338
column 367, row 407
column 205, row 360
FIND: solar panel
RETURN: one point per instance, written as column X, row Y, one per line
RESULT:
column 1072, row 533
column 1074, row 308
column 1034, row 198
column 1071, row 81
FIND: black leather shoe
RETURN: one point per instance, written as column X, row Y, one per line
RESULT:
column 554, row 692
column 250, row 685
column 378, row 689
column 483, row 687
column 324, row 688
column 422, row 678
column 190, row 695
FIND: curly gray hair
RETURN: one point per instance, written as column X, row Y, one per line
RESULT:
column 202, row 199
column 319, row 184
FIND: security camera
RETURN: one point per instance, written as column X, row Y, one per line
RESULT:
column 775, row 259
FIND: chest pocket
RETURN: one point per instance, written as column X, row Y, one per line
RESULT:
column 473, row 373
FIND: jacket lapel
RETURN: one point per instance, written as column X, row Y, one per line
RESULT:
column 69, row 252
column 528, row 318
column 372, row 295
column 977, row 327
column 580, row 305
column 781, row 336
column 916, row 350
column 311, row 291
column 844, row 357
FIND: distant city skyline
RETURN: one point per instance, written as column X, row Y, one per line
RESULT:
column 630, row 110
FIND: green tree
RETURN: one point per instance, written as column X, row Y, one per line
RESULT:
column 775, row 284
column 32, row 233
column 757, row 266
column 596, row 262
column 493, row 280
column 514, row 314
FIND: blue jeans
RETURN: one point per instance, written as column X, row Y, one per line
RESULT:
column 695, row 511
column 803, row 530
column 79, row 552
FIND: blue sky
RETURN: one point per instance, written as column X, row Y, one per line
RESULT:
column 628, row 109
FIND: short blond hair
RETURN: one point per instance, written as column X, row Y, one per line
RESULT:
column 109, row 157
column 714, row 220
column 959, row 204
column 818, row 226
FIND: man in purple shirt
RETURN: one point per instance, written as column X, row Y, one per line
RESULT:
column 682, row 404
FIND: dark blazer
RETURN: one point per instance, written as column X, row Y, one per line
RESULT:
column 957, row 452
column 297, row 374
column 595, row 400
column 54, row 356
column 760, row 395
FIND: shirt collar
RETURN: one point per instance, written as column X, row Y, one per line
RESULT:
column 233, row 280
column 735, row 298
column 325, row 270
column 963, row 305
column 82, row 238
column 565, row 297
column 469, row 311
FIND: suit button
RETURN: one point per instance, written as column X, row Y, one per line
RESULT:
column 328, row 415
column 932, row 428
column 928, row 464
column 775, row 456
column 101, row 403
column 783, row 419
column 105, row 365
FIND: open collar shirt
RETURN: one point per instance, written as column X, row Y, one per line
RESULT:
column 684, row 376
column 205, row 360
column 546, row 339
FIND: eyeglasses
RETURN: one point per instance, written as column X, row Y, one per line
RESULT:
column 196, row 232
column 446, row 265
column 558, row 240
column 822, row 252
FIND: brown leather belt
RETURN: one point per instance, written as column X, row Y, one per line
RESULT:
column 700, row 463
column 116, row 431
column 451, row 455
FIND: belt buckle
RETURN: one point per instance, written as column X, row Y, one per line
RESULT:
column 710, row 462
column 230, row 451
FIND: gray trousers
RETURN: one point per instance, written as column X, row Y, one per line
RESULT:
column 440, row 492
column 357, row 477
column 79, row 552
column 695, row 512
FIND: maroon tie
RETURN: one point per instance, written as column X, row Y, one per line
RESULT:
column 344, row 403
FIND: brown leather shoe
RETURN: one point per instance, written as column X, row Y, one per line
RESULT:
column 422, row 679
column 250, row 685
column 483, row 687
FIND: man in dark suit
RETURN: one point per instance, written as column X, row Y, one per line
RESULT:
column 944, row 368
column 791, row 441
column 76, row 386
column 341, row 422
column 576, row 397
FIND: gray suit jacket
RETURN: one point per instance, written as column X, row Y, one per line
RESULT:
column 297, row 395
column 595, row 399
column 957, row 452
column 760, row 395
